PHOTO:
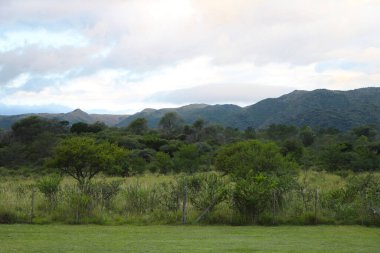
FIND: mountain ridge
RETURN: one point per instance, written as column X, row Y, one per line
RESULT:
column 319, row 108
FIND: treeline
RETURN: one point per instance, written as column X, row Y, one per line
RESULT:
column 217, row 175
column 174, row 147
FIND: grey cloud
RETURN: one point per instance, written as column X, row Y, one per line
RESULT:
column 297, row 32
column 21, row 109
column 221, row 93
column 40, row 61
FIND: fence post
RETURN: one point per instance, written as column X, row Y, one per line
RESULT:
column 316, row 207
column 32, row 205
column 274, row 208
column 184, row 205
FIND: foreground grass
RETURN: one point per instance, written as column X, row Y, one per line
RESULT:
column 92, row 238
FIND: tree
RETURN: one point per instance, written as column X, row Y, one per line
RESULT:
column 163, row 162
column 82, row 127
column 261, row 175
column 307, row 136
column 139, row 126
column 186, row 159
column 29, row 128
column 84, row 157
column 368, row 131
column 242, row 158
column 170, row 123
column 79, row 127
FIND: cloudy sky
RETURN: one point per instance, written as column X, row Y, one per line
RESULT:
column 121, row 56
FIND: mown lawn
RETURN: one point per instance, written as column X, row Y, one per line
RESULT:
column 92, row 238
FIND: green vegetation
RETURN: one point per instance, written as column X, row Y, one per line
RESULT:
column 59, row 238
column 341, row 110
column 199, row 173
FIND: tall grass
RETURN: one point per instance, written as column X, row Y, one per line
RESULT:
column 319, row 198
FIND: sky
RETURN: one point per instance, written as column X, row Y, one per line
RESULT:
column 121, row 56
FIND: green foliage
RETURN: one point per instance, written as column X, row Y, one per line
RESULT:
column 261, row 175
column 82, row 127
column 138, row 126
column 49, row 187
column 163, row 162
column 253, row 157
column 207, row 190
column 84, row 157
column 27, row 129
column 281, row 132
column 186, row 159
column 307, row 136
column 104, row 191
column 253, row 195
column 170, row 124
column 140, row 199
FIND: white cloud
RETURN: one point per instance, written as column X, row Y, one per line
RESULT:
column 125, row 52
column 41, row 38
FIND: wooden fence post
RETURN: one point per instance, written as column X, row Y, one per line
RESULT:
column 32, row 205
column 316, row 207
column 274, row 208
column 184, row 205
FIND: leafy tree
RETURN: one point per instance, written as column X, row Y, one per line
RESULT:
column 84, row 157
column 307, row 136
column 281, row 132
column 79, row 127
column 250, row 133
column 82, row 127
column 96, row 127
column 259, row 170
column 139, row 126
column 163, row 162
column 368, row 131
column 292, row 148
column 186, row 159
column 198, row 127
column 28, row 129
column 254, row 157
column 170, row 124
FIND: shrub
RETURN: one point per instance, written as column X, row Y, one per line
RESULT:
column 49, row 187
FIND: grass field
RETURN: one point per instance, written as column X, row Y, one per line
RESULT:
column 92, row 238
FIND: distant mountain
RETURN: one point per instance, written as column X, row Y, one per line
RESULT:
column 72, row 117
column 319, row 108
column 189, row 113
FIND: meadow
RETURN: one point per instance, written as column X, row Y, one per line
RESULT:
column 92, row 238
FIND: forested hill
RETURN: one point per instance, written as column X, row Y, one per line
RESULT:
column 319, row 108
column 342, row 110
column 75, row 116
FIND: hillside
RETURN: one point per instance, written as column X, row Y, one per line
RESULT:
column 319, row 108
column 72, row 117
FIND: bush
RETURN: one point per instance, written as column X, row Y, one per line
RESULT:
column 49, row 187
column 7, row 217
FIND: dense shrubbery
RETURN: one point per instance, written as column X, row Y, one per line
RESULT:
column 257, row 181
column 210, row 198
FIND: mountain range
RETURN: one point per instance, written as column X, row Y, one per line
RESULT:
column 319, row 109
column 72, row 117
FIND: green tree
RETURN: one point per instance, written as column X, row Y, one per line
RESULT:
column 170, row 123
column 79, row 127
column 139, row 126
column 84, row 157
column 307, row 136
column 254, row 157
column 163, row 162
column 186, row 159
column 28, row 129
column 261, row 175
